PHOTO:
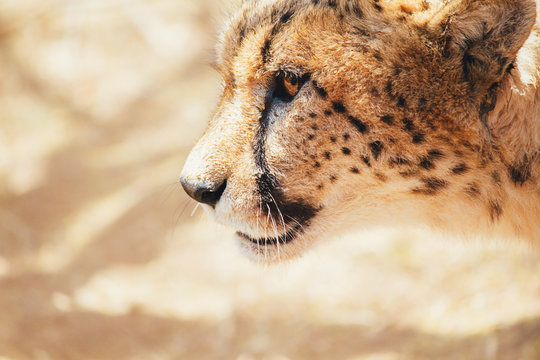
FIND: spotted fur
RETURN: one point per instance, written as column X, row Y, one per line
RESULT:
column 409, row 113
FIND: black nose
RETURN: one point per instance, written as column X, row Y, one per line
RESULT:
column 203, row 192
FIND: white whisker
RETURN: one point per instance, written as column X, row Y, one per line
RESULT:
column 195, row 209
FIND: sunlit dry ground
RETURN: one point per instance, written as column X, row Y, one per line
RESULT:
column 101, row 258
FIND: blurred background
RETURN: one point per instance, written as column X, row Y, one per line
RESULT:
column 102, row 255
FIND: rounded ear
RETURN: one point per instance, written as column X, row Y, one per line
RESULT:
column 484, row 36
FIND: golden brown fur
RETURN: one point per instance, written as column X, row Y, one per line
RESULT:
column 412, row 112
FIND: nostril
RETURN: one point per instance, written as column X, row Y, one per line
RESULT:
column 203, row 192
column 211, row 197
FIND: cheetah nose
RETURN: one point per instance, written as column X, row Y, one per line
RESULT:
column 206, row 193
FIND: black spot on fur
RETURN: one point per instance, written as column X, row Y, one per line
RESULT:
column 496, row 177
column 327, row 155
column 339, row 107
column 374, row 91
column 328, row 112
column 388, row 119
column 333, row 139
column 389, row 88
column 312, row 115
column 357, row 10
column 332, row 3
column 408, row 173
column 333, row 178
column 401, row 101
column 366, row 160
column 422, row 103
column 381, row 176
column 426, row 163
column 346, row 137
column 432, row 186
column 317, row 164
column 495, row 210
column 355, row 170
column 520, row 172
column 418, row 138
column 314, row 127
column 377, row 6
column 408, row 125
column 311, row 136
column 472, row 190
column 435, row 154
column 460, row 169
column 346, row 150
column 322, row 93
column 358, row 124
column 398, row 160
column 376, row 148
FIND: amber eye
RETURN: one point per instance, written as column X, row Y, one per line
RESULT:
column 288, row 86
column 291, row 86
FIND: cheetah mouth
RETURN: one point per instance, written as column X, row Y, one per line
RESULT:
column 285, row 238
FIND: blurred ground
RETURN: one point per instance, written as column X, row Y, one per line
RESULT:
column 100, row 258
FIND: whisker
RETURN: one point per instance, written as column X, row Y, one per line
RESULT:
column 195, row 209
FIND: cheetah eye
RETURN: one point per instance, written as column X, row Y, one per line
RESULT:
column 288, row 86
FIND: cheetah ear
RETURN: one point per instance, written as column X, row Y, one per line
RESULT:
column 483, row 37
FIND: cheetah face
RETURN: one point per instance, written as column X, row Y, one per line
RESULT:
column 338, row 113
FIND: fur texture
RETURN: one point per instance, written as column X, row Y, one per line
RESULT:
column 409, row 112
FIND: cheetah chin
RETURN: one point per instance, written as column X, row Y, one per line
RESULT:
column 340, row 114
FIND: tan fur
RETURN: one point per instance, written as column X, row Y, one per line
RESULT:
column 448, row 92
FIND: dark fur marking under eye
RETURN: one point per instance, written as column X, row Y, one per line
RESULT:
column 358, row 124
column 376, row 148
column 322, row 93
column 339, row 107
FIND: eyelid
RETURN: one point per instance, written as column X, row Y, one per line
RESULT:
column 280, row 92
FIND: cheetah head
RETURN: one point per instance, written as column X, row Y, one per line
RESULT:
column 340, row 113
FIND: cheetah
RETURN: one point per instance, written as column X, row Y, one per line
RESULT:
column 340, row 114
